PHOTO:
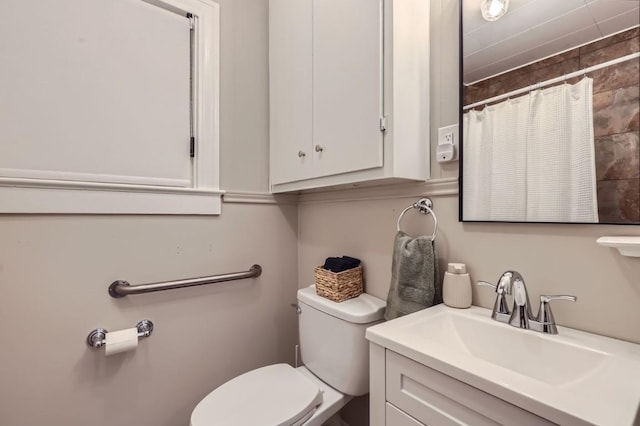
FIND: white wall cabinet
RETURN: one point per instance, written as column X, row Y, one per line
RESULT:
column 349, row 92
column 405, row 392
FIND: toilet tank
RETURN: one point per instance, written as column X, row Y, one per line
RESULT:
column 332, row 341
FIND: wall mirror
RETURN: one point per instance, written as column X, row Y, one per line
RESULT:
column 550, row 111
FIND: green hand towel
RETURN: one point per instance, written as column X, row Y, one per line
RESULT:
column 414, row 276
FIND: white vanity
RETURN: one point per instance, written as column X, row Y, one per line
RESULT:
column 446, row 366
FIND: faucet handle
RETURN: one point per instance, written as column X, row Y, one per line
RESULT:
column 544, row 312
column 546, row 299
column 500, row 288
column 501, row 310
column 487, row 284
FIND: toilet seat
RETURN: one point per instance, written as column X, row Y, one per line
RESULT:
column 275, row 395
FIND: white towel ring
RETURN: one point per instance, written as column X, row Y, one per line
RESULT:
column 424, row 206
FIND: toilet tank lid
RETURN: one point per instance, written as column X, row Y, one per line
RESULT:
column 359, row 310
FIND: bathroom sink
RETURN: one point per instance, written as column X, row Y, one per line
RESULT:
column 573, row 377
column 548, row 359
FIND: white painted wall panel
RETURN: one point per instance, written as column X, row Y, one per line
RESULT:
column 533, row 27
column 101, row 86
column 625, row 20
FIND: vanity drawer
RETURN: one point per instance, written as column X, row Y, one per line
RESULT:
column 436, row 399
column 396, row 417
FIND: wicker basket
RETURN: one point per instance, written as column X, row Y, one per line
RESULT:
column 339, row 286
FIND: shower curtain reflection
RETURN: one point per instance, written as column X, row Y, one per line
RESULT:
column 532, row 158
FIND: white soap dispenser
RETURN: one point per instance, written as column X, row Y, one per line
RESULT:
column 456, row 288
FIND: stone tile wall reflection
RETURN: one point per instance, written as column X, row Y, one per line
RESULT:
column 616, row 115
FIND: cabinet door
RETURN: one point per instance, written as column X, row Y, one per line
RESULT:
column 290, row 24
column 395, row 417
column 436, row 399
column 347, row 85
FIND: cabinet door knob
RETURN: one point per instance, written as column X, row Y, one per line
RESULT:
column 301, row 154
column 319, row 148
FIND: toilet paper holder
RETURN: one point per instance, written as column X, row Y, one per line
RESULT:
column 97, row 338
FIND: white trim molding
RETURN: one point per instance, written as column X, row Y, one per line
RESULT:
column 433, row 188
column 259, row 198
column 55, row 197
column 40, row 196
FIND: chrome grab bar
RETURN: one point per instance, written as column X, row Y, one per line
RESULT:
column 122, row 288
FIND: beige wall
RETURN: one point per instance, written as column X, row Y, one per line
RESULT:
column 244, row 95
column 55, row 270
column 554, row 259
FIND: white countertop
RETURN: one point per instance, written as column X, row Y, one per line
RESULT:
column 572, row 378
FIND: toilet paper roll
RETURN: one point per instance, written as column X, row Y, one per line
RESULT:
column 121, row 341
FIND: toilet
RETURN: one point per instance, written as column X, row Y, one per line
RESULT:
column 336, row 357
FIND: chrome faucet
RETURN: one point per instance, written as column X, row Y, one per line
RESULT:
column 504, row 287
column 512, row 283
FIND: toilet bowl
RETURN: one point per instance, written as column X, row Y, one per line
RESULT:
column 310, row 401
column 336, row 358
